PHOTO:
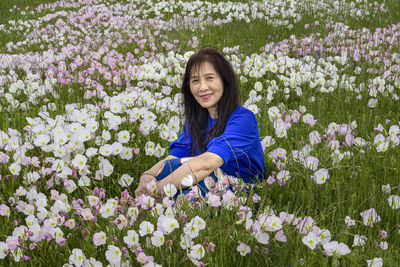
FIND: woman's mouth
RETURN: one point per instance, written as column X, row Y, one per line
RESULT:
column 205, row 97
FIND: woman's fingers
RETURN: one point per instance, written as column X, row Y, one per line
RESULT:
column 142, row 188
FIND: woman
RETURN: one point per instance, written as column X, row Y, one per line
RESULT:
column 219, row 134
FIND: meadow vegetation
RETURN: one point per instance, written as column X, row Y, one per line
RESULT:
column 90, row 98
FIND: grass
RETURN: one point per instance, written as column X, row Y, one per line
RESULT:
column 354, row 186
column 12, row 9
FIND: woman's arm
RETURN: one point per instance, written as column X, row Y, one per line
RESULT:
column 149, row 176
column 199, row 167
column 153, row 170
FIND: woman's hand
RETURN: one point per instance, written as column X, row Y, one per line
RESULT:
column 143, row 181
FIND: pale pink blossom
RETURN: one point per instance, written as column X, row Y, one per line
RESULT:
column 99, row 238
column 375, row 262
column 370, row 217
column 243, row 249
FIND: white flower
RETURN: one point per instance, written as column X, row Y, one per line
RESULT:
column 124, row 137
column 190, row 229
column 349, row 222
column 262, row 237
column 197, row 251
column 254, row 108
column 157, row 239
column 159, row 151
column 79, row 161
column 14, row 168
column 31, row 177
column 126, row 153
column 359, row 240
column 107, row 210
column 169, row 224
column 106, row 167
column 41, row 140
column 84, row 135
column 325, row 236
column 106, row 150
column 145, row 228
column 91, row 151
column 336, row 248
column 394, row 202
column 4, row 210
column 187, row 181
column 149, row 148
column 76, row 257
column 170, row 190
column 70, row 186
column 274, row 113
column 58, row 165
column 84, row 181
column 258, row 86
column 106, row 135
column 116, row 148
column 383, row 245
column 273, row 223
column 3, row 250
column 283, row 175
column 311, row 240
column 125, row 180
column 113, row 255
column 370, row 217
column 376, row 262
column 243, row 249
column 132, row 238
column 321, row 176
column 373, row 102
column 199, row 222
column 186, row 241
column 57, row 234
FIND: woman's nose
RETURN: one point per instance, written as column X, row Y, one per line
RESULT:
column 203, row 85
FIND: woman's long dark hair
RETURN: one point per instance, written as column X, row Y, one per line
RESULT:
column 195, row 115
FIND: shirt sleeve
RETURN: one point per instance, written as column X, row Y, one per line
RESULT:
column 183, row 146
column 238, row 140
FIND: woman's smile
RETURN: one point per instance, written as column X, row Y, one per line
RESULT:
column 206, row 97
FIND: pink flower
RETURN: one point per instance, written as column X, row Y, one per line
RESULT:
column 321, row 176
column 213, row 200
column 99, row 239
column 305, row 225
column 121, row 222
column 370, row 217
column 243, row 249
column 383, row 234
column 12, row 242
column 280, row 236
column 311, row 240
column 256, row 198
column 70, row 223
column 229, row 198
column 376, row 262
column 141, row 258
column 336, row 248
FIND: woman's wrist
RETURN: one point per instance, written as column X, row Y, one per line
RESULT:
column 148, row 173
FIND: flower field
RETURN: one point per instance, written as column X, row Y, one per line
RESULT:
column 90, row 99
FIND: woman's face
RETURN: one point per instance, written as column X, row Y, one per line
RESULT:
column 207, row 87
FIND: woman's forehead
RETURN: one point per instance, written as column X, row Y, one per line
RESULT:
column 202, row 68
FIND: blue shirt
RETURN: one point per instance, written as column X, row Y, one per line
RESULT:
column 239, row 146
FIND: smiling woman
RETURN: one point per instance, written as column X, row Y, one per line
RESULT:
column 220, row 143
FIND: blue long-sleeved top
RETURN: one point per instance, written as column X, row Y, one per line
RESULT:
column 239, row 146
